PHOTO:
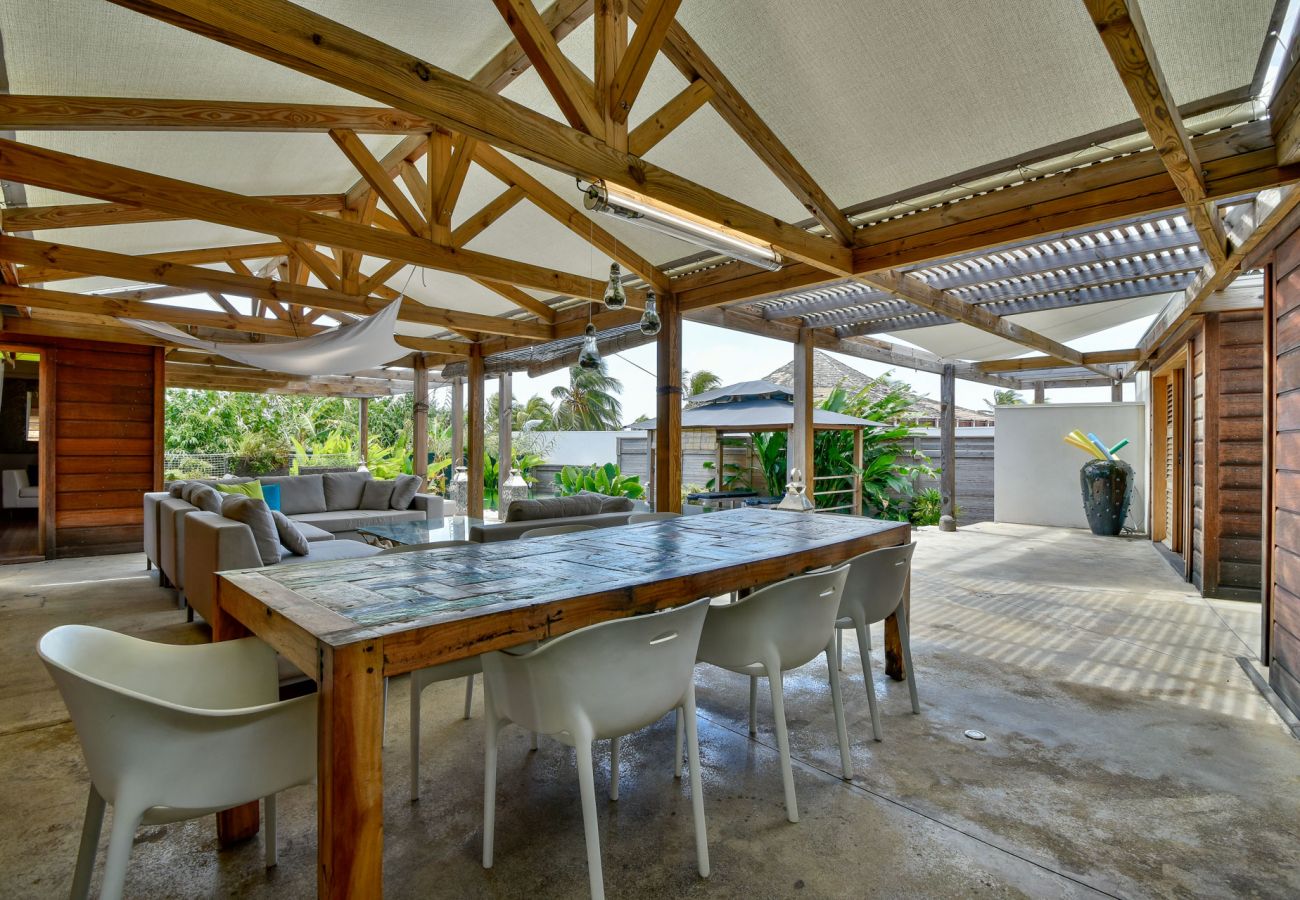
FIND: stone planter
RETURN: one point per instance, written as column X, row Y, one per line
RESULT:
column 1107, row 488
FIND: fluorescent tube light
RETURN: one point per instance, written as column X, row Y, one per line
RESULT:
column 598, row 198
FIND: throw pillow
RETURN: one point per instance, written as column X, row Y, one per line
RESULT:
column 257, row 516
column 299, row 493
column 609, row 504
column 293, row 539
column 176, row 488
column 378, row 495
column 206, row 499
column 247, row 488
column 343, row 489
column 271, row 494
column 404, row 490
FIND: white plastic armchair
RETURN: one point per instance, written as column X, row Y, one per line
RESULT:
column 175, row 732
column 873, row 592
column 773, row 630
column 599, row 682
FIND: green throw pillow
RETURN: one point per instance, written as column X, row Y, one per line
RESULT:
column 248, row 489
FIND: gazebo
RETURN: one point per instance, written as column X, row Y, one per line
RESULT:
column 754, row 407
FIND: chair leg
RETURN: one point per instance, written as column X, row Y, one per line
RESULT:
column 753, row 705
column 783, row 741
column 686, row 714
column 841, row 730
column 189, row 614
column 868, row 679
column 590, row 825
column 613, row 769
column 119, row 852
column 839, row 649
column 148, row 564
column 271, row 838
column 532, row 744
column 867, row 631
column 469, row 695
column 416, row 687
column 905, row 638
column 89, row 845
column 677, row 756
column 489, row 776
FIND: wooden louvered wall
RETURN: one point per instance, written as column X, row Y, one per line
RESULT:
column 1284, row 456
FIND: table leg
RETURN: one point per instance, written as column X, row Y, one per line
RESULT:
column 241, row 822
column 895, row 668
column 349, row 773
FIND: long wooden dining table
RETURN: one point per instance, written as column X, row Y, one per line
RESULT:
column 349, row 624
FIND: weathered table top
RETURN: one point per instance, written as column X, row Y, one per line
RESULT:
column 447, row 603
column 424, row 531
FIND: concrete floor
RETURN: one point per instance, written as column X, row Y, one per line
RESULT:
column 1127, row 754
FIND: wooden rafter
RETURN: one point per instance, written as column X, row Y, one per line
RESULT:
column 611, row 44
column 572, row 91
column 1034, row 363
column 495, row 208
column 231, row 256
column 522, row 300
column 291, row 36
column 669, row 116
column 652, row 28
column 380, row 181
column 453, row 180
column 1119, row 22
column 85, row 215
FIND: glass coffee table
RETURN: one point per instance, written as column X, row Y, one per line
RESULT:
column 422, row 531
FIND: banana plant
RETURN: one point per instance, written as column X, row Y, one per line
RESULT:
column 607, row 479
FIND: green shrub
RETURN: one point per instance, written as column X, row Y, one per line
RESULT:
column 256, row 454
column 607, row 479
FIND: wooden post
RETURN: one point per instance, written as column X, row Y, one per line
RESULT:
column 474, row 446
column 857, row 475
column 719, row 460
column 1117, row 392
column 457, row 424
column 1040, row 392
column 505, row 423
column 650, row 444
column 420, row 421
column 799, row 450
column 948, row 443
column 668, row 427
column 363, row 426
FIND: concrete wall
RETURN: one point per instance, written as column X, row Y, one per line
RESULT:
column 578, row 448
column 1036, row 474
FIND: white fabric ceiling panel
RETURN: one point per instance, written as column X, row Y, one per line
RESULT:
column 1206, row 46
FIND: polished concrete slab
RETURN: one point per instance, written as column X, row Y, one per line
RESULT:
column 1127, row 754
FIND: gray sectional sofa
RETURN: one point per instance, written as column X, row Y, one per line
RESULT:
column 585, row 508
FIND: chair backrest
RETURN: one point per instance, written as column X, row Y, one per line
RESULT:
column 638, row 518
column 432, row 545
column 876, row 582
column 14, row 481
column 555, row 529
column 791, row 621
column 617, row 676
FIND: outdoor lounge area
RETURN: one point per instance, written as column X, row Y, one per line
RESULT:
column 649, row 448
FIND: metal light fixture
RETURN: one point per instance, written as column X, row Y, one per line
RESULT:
column 598, row 198
column 650, row 321
column 589, row 355
column 615, row 298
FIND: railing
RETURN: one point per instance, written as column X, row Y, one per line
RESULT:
column 855, row 500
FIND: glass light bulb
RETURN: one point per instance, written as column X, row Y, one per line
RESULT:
column 589, row 356
column 650, row 321
column 615, row 298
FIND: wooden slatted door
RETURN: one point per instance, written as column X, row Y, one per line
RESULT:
column 1171, row 456
column 1170, row 510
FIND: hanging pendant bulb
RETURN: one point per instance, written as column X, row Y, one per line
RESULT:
column 589, row 356
column 650, row 321
column 614, row 296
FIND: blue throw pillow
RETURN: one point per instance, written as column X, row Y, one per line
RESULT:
column 271, row 494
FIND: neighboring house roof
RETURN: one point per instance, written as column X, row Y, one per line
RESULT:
column 829, row 373
column 744, row 389
column 761, row 413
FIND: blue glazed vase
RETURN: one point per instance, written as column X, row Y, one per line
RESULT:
column 1107, row 488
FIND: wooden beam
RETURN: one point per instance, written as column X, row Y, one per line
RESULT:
column 380, row 182
column 196, row 257
column 505, row 428
column 287, row 34
column 316, row 263
column 420, row 422
column 668, row 410
column 476, row 224
column 672, row 114
column 948, row 442
column 457, row 424
column 476, row 443
column 799, row 450
column 448, row 189
column 1122, row 30
column 1284, row 116
column 521, row 299
column 59, row 171
column 1034, row 363
column 85, row 215
column 611, row 44
column 572, row 91
column 691, row 60
column 652, row 29
column 380, row 277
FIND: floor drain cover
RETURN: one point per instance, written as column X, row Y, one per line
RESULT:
column 974, row 735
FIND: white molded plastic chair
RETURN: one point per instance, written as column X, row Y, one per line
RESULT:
column 555, row 529
column 603, row 681
column 872, row 593
column 175, row 732
column 638, row 518
column 781, row 627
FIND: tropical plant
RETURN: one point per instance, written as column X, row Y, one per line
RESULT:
column 524, row 462
column 1004, row 397
column 589, row 402
column 700, row 381
column 927, row 507
column 770, row 447
column 257, row 454
column 734, row 477
column 607, row 479
column 535, row 415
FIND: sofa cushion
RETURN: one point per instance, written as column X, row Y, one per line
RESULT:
column 331, row 550
column 352, row 519
column 309, row 531
column 609, row 504
column 257, row 516
column 404, row 491
column 176, row 489
column 299, row 493
column 553, row 508
column 206, row 499
column 291, row 536
column 377, row 495
column 343, row 489
column 247, row 488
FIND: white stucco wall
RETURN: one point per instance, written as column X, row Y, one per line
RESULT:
column 579, row 448
column 1036, row 474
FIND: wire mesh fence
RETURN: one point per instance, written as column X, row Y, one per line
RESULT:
column 178, row 466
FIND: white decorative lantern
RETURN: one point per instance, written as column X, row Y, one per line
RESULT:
column 458, row 490
column 795, row 499
column 515, row 488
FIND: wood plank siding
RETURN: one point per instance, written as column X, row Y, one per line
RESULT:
column 1284, row 454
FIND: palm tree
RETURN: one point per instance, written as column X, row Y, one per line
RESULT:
column 535, row 410
column 700, row 381
column 590, row 402
column 1006, row 397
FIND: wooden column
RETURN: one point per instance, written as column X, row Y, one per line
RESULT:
column 948, row 438
column 1117, row 392
column 668, row 402
column 505, row 424
column 719, row 460
column 475, row 444
column 799, row 450
column 420, row 421
column 363, row 427
column 457, row 424
column 1040, row 392
column 857, row 476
